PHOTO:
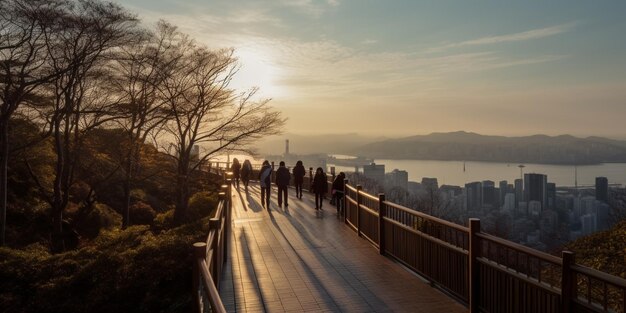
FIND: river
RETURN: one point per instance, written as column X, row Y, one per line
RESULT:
column 451, row 172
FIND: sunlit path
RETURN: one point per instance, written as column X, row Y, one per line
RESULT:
column 296, row 260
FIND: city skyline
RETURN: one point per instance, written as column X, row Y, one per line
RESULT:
column 503, row 68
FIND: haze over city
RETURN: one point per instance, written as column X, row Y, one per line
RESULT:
column 415, row 67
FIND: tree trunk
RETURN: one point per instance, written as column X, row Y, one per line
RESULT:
column 127, row 187
column 182, row 191
column 57, row 212
column 4, row 164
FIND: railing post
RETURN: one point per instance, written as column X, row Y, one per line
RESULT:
column 568, row 281
column 345, row 200
column 199, row 252
column 474, row 254
column 381, row 223
column 310, row 179
column 358, row 209
column 227, row 226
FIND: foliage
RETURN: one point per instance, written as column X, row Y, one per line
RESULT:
column 141, row 213
column 121, row 271
column 201, row 204
column 604, row 251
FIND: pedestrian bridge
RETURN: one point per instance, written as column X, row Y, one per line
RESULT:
column 297, row 259
column 378, row 257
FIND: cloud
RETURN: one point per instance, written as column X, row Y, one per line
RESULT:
column 369, row 41
column 522, row 36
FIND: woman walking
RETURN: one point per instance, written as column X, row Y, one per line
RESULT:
column 246, row 172
column 298, row 177
column 320, row 187
column 236, row 169
column 338, row 190
column 265, row 178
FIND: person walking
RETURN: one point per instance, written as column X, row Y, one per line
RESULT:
column 265, row 178
column 298, row 176
column 236, row 169
column 320, row 187
column 338, row 190
column 246, row 172
column 282, row 181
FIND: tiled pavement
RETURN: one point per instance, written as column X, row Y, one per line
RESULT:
column 298, row 260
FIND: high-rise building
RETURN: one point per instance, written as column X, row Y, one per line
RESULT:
column 509, row 202
column 503, row 191
column 551, row 190
column 375, row 172
column 489, row 196
column 398, row 178
column 473, row 196
column 430, row 183
column 588, row 222
column 535, row 188
column 602, row 189
column 519, row 192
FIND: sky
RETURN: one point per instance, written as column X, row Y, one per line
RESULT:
column 407, row 67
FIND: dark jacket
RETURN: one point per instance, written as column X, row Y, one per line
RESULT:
column 265, row 176
column 235, row 168
column 282, row 176
column 338, row 183
column 298, row 173
column 320, row 185
column 246, row 170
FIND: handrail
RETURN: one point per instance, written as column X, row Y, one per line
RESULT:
column 555, row 281
column 210, row 255
column 593, row 273
column 207, row 281
column 511, row 245
column 428, row 217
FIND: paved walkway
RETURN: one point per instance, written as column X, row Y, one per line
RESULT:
column 298, row 260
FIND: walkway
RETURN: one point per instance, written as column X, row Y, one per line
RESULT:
column 298, row 260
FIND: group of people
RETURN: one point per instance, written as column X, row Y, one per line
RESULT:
column 319, row 184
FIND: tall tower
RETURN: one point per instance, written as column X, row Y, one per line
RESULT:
column 287, row 147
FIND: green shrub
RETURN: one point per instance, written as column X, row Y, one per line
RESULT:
column 120, row 271
column 141, row 213
column 164, row 220
column 202, row 204
column 99, row 217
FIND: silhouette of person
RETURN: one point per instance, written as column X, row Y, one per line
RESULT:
column 298, row 176
column 338, row 189
column 246, row 172
column 320, row 187
column 265, row 179
column 282, row 181
column 236, row 169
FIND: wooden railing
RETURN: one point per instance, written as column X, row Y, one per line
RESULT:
column 210, row 256
column 487, row 273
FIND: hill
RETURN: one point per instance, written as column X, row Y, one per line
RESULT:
column 467, row 146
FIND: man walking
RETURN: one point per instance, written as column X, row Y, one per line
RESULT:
column 282, row 181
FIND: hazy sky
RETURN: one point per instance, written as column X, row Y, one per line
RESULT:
column 415, row 67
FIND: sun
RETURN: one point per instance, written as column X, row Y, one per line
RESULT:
column 257, row 69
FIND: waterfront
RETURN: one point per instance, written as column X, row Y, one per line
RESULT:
column 451, row 172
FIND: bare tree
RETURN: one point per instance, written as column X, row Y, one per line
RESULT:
column 142, row 110
column 23, row 69
column 90, row 31
column 205, row 111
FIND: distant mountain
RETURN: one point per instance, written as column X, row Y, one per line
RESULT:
column 313, row 144
column 467, row 146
